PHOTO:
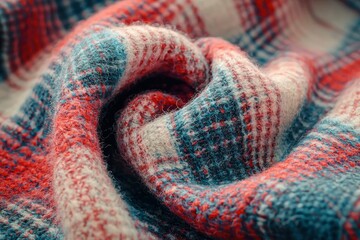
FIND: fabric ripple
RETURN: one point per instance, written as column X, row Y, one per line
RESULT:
column 181, row 119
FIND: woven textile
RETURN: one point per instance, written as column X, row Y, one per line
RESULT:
column 179, row 119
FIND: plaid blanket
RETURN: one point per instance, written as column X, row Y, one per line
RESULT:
column 179, row 119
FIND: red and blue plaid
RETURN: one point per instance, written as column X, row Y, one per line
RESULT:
column 179, row 119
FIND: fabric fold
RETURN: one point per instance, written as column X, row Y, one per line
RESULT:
column 182, row 119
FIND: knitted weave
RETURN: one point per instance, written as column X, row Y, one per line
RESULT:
column 179, row 119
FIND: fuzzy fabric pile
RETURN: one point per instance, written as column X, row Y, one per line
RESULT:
column 179, row 119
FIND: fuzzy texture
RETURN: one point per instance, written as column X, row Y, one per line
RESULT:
column 179, row 119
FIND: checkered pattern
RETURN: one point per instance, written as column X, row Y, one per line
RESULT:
column 180, row 119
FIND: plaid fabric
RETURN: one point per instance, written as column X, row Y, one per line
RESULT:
column 179, row 119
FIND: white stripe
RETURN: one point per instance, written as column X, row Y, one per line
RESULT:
column 221, row 18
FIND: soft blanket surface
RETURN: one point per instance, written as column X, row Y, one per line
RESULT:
column 179, row 119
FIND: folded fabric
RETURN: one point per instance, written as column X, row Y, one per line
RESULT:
column 179, row 119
